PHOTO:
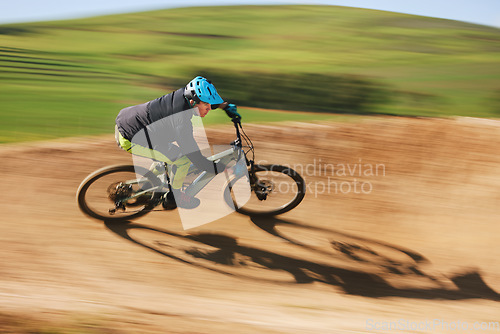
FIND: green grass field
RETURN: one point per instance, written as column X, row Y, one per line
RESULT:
column 70, row 78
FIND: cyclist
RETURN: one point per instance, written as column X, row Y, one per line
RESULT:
column 135, row 134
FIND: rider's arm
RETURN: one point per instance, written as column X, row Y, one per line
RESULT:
column 189, row 148
column 203, row 163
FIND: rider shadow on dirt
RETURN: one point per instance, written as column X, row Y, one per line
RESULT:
column 222, row 253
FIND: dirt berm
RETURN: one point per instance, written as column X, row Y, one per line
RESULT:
column 399, row 231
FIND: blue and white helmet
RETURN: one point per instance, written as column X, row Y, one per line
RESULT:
column 200, row 89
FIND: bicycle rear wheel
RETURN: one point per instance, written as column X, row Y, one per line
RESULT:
column 119, row 193
column 275, row 190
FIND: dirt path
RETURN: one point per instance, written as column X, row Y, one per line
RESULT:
column 400, row 225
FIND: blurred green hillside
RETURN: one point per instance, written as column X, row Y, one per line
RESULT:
column 70, row 78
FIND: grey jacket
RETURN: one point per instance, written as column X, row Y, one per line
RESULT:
column 161, row 122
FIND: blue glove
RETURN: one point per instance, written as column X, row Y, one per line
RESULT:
column 232, row 111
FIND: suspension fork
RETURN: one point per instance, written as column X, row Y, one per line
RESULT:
column 251, row 174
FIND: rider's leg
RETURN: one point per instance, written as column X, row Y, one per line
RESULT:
column 182, row 165
column 177, row 179
column 140, row 150
column 182, row 200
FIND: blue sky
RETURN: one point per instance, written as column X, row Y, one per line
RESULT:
column 478, row 11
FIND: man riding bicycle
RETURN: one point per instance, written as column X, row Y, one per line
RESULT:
column 173, row 112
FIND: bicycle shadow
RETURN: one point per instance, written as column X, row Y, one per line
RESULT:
column 225, row 255
column 352, row 247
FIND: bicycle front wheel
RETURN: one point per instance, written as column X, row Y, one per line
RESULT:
column 275, row 190
column 118, row 193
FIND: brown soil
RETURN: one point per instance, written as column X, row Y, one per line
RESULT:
column 416, row 240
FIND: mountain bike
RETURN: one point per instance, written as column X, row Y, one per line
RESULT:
column 124, row 192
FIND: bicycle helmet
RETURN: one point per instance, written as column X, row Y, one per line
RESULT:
column 201, row 89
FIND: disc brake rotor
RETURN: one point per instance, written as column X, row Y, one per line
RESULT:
column 263, row 188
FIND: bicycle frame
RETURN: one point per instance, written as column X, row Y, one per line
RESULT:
column 235, row 153
column 204, row 178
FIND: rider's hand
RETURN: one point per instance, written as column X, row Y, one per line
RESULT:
column 232, row 111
